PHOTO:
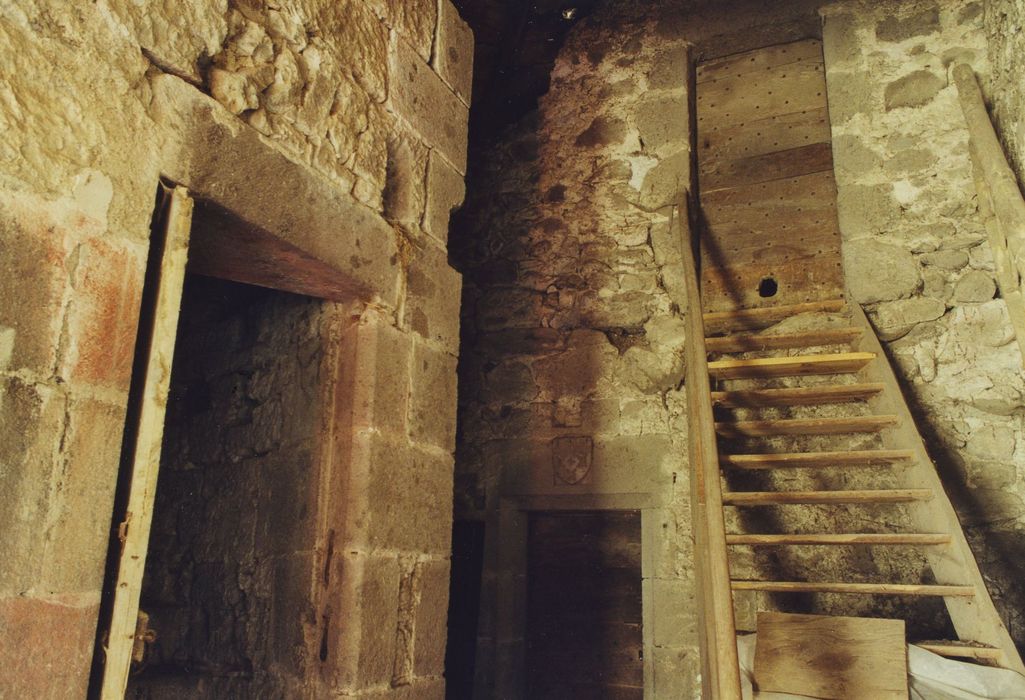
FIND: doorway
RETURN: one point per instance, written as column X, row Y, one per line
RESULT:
column 584, row 629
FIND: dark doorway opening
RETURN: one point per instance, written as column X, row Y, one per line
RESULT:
column 584, row 633
column 464, row 608
column 229, row 574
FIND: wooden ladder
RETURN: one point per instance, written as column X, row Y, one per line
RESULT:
column 855, row 370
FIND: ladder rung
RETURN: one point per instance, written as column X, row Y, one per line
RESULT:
column 796, row 396
column 887, row 538
column 758, row 498
column 862, row 588
column 805, row 426
column 800, row 365
column 791, row 460
column 961, row 650
column 750, row 319
column 746, row 342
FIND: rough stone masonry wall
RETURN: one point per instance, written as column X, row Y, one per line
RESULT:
column 1003, row 21
column 572, row 354
column 358, row 106
column 917, row 257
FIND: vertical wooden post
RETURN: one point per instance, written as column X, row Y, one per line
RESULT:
column 159, row 338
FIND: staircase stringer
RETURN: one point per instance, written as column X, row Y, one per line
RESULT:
column 975, row 618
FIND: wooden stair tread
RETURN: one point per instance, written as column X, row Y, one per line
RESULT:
column 754, row 498
column 746, row 342
column 963, row 650
column 796, row 396
column 859, row 588
column 751, row 319
column 789, row 460
column 887, row 538
column 836, row 363
column 805, row 426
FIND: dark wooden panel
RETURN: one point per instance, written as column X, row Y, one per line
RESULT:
column 804, row 160
column 760, row 60
column 770, row 222
column 806, row 279
column 584, row 635
column 768, row 195
column 760, row 136
column 733, row 101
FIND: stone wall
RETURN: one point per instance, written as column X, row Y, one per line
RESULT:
column 571, row 363
column 916, row 256
column 1003, row 21
column 572, row 344
column 335, row 128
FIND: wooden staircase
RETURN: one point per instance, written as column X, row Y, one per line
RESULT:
column 854, row 384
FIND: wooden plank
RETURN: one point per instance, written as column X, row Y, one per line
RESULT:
column 737, row 99
column 761, row 136
column 716, row 623
column 801, row 365
column 833, row 658
column 172, row 244
column 978, row 619
column 910, row 589
column 771, row 221
column 799, row 280
column 750, row 319
column 886, row 538
column 805, row 426
column 763, row 59
column 798, row 396
column 747, row 342
column 962, row 650
column 784, row 164
column 768, row 498
column 792, row 460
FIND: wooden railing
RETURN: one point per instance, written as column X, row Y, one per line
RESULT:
column 1000, row 200
column 720, row 670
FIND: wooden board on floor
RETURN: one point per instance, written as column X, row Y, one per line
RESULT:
column 830, row 657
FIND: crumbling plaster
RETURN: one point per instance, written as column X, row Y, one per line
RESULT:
column 338, row 129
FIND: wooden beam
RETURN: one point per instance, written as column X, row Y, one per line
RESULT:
column 747, row 342
column 911, row 589
column 169, row 272
column 717, row 628
column 801, row 365
column 805, row 426
column 771, row 498
column 796, row 396
column 792, row 460
column 886, row 538
column 962, row 650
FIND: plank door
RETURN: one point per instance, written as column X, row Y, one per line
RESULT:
column 769, row 233
column 584, row 634
column 144, row 428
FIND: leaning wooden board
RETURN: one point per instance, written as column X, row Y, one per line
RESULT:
column 833, row 658
column 158, row 341
column 765, row 173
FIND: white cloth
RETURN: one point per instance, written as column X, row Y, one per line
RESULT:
column 930, row 677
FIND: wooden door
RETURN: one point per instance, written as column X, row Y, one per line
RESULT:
column 584, row 635
column 769, row 233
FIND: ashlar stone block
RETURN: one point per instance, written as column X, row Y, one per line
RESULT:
column 423, row 99
column 445, row 192
column 453, row 51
